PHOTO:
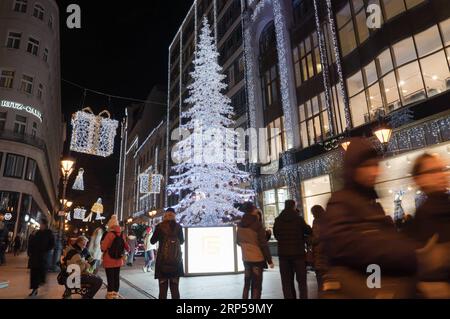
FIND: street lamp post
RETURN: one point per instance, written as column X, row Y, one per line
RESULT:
column 67, row 166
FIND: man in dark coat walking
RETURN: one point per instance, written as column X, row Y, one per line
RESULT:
column 357, row 235
column 290, row 231
column 3, row 239
column 39, row 247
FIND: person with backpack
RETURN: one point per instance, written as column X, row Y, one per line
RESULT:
column 169, row 260
column 113, row 247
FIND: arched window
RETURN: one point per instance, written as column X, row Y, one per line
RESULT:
column 269, row 66
column 38, row 12
column 267, row 41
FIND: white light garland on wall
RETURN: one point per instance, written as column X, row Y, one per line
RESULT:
column 325, row 70
column 93, row 134
column 282, row 42
column 259, row 8
column 348, row 118
column 250, row 66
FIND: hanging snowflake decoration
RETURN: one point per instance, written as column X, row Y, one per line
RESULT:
column 79, row 213
column 93, row 134
column 79, row 182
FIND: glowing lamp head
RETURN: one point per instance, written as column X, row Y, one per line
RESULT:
column 383, row 134
column 67, row 166
column 345, row 145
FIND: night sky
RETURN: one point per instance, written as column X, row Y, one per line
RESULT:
column 121, row 49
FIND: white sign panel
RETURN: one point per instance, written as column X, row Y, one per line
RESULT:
column 211, row 250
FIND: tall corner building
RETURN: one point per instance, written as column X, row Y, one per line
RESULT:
column 31, row 126
column 225, row 18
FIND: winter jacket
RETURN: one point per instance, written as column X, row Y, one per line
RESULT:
column 432, row 217
column 290, row 231
column 355, row 230
column 132, row 241
column 147, row 242
column 95, row 244
column 320, row 259
column 162, row 232
column 106, row 243
column 39, row 246
column 251, row 236
column 75, row 256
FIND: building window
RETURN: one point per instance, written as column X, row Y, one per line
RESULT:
column 271, row 86
column 273, row 204
column 34, row 130
column 30, row 173
column 20, row 6
column 2, row 122
column 14, row 166
column 316, row 191
column 276, row 138
column 40, row 91
column 6, row 79
column 393, row 8
column 33, row 46
column 314, row 121
column 27, row 84
column 38, row 12
column 45, row 55
column 13, row 41
column 20, row 125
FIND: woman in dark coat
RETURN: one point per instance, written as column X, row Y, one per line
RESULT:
column 168, row 270
column 39, row 247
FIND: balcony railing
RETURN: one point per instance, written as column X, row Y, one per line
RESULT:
column 22, row 138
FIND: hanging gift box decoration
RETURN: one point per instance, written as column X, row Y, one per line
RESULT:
column 155, row 183
column 79, row 213
column 79, row 182
column 144, row 183
column 93, row 134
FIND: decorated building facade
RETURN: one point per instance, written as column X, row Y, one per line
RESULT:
column 31, row 126
column 321, row 71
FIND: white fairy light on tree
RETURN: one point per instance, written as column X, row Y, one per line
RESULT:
column 93, row 134
column 79, row 182
column 208, row 157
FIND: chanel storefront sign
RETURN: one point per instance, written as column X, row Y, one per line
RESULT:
column 21, row 107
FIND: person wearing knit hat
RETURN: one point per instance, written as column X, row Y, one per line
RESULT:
column 112, row 265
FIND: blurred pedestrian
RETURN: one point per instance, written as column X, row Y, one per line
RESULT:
column 357, row 235
column 113, row 247
column 432, row 217
column 39, row 247
column 291, row 231
column 3, row 239
column 17, row 245
column 319, row 257
column 132, row 242
column 252, row 238
column 95, row 249
column 169, row 260
column 149, row 249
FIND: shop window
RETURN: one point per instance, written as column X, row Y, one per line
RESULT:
column 276, row 138
column 361, row 23
column 314, row 121
column 428, row 41
column 14, row 166
column 271, row 89
column 375, row 98
column 404, row 51
column 390, row 89
column 393, row 8
column 412, row 3
column 410, row 83
column 344, row 15
column 370, row 72
column 273, row 204
column 347, row 38
column 435, row 73
column 316, row 191
column 355, row 84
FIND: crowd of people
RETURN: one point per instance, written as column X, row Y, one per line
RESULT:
column 348, row 237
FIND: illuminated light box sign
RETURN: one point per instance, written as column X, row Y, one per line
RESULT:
column 212, row 250
column 21, row 107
